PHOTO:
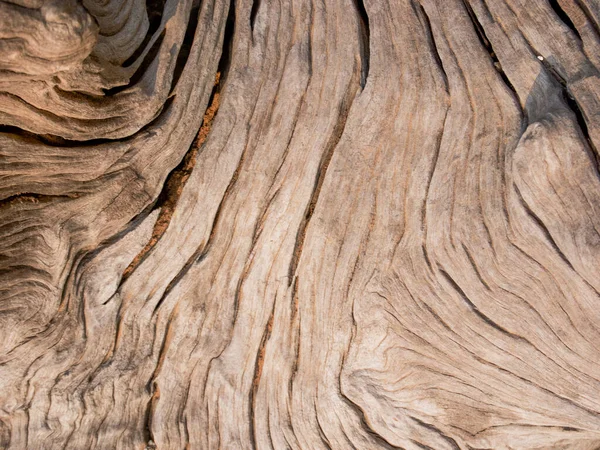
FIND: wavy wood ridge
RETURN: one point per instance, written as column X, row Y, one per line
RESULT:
column 300, row 224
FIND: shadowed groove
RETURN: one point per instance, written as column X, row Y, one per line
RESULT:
column 326, row 156
column 376, row 344
column 487, row 45
column 175, row 183
column 562, row 15
column 365, row 38
column 142, row 69
column 154, row 10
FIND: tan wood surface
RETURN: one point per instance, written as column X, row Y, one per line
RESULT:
column 300, row 224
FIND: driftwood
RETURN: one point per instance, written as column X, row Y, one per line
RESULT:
column 299, row 224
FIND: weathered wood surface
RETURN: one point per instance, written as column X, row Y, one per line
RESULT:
column 384, row 235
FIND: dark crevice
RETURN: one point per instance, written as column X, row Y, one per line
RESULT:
column 165, row 111
column 94, row 99
column 542, row 227
column 380, row 440
column 34, row 198
column 438, row 146
column 148, row 425
column 258, row 227
column 364, row 41
column 439, row 432
column 237, row 295
column 475, row 269
column 562, row 15
column 485, row 42
column 581, row 121
column 150, row 407
column 530, row 426
column 141, row 70
column 589, row 16
column 50, row 139
column 175, row 182
column 574, row 107
column 474, row 308
column 254, row 12
column 258, row 368
column 152, row 386
column 186, row 46
column 154, row 9
column 201, row 252
column 432, row 44
column 309, row 50
column 294, row 336
column 175, row 281
column 320, row 177
column 322, row 434
column 420, row 445
column 171, row 193
column 227, row 52
column 426, row 256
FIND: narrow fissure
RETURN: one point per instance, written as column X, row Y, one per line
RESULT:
column 573, row 106
column 434, row 163
column 152, row 386
column 364, row 41
column 141, row 70
column 154, row 10
column 258, row 368
column 421, row 445
column 432, row 43
column 254, row 12
column 186, row 45
column 32, row 197
column 439, row 432
column 227, row 52
column 564, row 17
column 485, row 42
column 590, row 17
column 175, row 182
column 542, row 227
column 51, row 140
column 295, row 336
column 320, row 177
column 175, row 281
column 474, row 307
column 223, row 68
column 148, row 435
column 475, row 269
column 377, row 438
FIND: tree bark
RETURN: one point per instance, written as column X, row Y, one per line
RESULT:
column 299, row 224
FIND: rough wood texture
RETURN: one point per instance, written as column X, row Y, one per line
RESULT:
column 300, row 224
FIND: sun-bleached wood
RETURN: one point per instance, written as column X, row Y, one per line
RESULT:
column 300, row 224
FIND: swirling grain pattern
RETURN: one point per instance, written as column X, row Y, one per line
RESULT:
column 300, row 224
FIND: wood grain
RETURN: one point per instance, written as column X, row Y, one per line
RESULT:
column 302, row 224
